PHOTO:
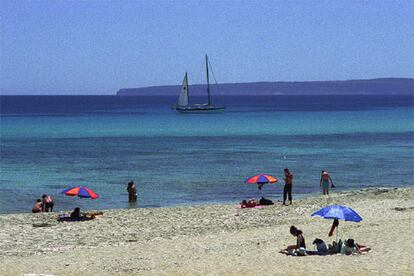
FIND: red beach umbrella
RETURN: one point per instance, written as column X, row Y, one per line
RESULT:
column 261, row 179
column 80, row 191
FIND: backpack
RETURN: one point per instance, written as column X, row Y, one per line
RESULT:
column 264, row 201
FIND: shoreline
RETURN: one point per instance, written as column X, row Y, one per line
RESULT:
column 296, row 197
column 212, row 239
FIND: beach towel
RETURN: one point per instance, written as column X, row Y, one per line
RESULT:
column 256, row 207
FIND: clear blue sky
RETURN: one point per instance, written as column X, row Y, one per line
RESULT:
column 97, row 47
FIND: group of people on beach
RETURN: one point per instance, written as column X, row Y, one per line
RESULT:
column 348, row 247
column 43, row 205
column 287, row 189
column 288, row 178
column 46, row 203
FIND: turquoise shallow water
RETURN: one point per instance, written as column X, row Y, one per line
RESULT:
column 50, row 143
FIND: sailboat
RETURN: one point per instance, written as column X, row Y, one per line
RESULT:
column 184, row 105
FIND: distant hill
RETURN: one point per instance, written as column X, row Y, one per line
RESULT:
column 381, row 86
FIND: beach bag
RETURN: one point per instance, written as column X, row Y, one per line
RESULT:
column 264, row 201
column 335, row 248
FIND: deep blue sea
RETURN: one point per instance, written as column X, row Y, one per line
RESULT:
column 49, row 143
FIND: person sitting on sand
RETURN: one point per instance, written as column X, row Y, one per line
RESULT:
column 287, row 190
column 132, row 191
column 300, row 242
column 321, row 248
column 324, row 182
column 47, row 203
column 37, row 208
column 76, row 214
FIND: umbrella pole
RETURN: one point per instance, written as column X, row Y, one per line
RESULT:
column 337, row 229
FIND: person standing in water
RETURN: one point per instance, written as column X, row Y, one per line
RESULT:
column 324, row 182
column 287, row 190
column 132, row 191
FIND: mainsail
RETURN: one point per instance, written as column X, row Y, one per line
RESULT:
column 183, row 99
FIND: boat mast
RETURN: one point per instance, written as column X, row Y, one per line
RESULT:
column 188, row 90
column 208, row 83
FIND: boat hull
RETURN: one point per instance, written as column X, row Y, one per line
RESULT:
column 199, row 109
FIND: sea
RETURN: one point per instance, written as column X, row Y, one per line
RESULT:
column 50, row 143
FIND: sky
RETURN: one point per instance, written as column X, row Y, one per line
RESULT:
column 97, row 47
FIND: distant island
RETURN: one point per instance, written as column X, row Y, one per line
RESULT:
column 380, row 86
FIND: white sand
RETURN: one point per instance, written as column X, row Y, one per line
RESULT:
column 212, row 240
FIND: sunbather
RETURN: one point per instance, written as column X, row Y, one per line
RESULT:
column 76, row 215
column 299, row 248
column 349, row 248
column 248, row 203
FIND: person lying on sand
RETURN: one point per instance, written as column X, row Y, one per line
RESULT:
column 349, row 247
column 248, row 203
column 299, row 249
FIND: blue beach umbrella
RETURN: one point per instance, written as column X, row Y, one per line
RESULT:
column 338, row 212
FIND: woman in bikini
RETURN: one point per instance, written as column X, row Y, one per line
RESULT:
column 300, row 242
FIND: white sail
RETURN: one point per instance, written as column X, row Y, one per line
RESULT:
column 183, row 99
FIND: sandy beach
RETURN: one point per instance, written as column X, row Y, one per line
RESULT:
column 212, row 240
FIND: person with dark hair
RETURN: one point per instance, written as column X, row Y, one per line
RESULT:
column 37, row 208
column 287, row 190
column 132, row 191
column 300, row 247
column 324, row 182
column 47, row 203
column 76, row 214
column 349, row 248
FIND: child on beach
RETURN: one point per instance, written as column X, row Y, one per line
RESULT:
column 37, row 208
column 132, row 191
column 287, row 190
column 324, row 182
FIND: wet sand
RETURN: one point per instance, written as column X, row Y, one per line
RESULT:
column 212, row 240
